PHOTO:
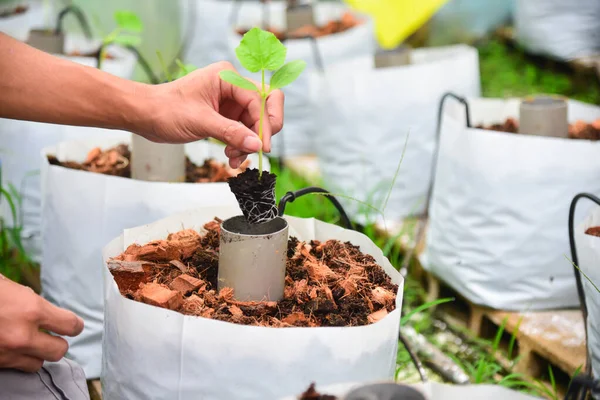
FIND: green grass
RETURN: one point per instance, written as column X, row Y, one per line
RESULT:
column 507, row 71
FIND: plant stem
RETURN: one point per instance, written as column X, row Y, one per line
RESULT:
column 263, row 95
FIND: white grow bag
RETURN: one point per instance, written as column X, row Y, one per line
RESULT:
column 18, row 26
column 435, row 391
column 558, row 28
column 22, row 141
column 365, row 115
column 300, row 130
column 82, row 211
column 151, row 352
column 588, row 254
column 500, row 206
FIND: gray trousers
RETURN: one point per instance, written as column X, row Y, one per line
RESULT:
column 63, row 380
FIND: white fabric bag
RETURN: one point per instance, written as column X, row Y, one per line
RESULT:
column 209, row 42
column 558, row 28
column 19, row 25
column 297, row 136
column 22, row 141
column 500, row 204
column 151, row 352
column 82, row 211
column 588, row 254
column 365, row 115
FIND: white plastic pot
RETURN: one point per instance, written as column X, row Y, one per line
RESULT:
column 559, row 29
column 365, row 116
column 152, row 352
column 299, row 132
column 22, row 141
column 588, row 253
column 500, row 207
column 82, row 211
column 435, row 391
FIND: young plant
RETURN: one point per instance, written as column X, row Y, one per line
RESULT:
column 127, row 33
column 261, row 51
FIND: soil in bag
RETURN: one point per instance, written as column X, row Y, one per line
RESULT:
column 327, row 283
column 13, row 11
column 115, row 161
column 346, row 22
column 577, row 130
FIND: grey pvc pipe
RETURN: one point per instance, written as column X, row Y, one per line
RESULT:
column 544, row 116
column 299, row 16
column 157, row 162
column 392, row 58
column 252, row 258
column 46, row 40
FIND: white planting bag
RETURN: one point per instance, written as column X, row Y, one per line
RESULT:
column 435, row 391
column 365, row 115
column 558, row 28
column 297, row 137
column 22, row 141
column 151, row 352
column 209, row 41
column 500, row 205
column 588, row 254
column 19, row 25
column 82, row 211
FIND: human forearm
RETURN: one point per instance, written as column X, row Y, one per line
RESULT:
column 39, row 87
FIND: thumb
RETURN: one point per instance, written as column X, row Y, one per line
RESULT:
column 232, row 133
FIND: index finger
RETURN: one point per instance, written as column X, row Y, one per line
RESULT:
column 59, row 320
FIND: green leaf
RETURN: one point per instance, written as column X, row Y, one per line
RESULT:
column 287, row 74
column 260, row 50
column 127, row 40
column 128, row 21
column 237, row 80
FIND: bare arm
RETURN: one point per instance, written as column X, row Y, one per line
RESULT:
column 37, row 86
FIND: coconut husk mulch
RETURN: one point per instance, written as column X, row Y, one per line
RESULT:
column 327, row 283
column 346, row 22
column 577, row 130
column 593, row 231
column 116, row 161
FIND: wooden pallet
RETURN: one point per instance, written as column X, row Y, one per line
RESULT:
column 95, row 389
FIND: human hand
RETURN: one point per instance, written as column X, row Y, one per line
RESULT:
column 22, row 314
column 201, row 105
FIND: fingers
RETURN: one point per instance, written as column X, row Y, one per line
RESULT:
column 236, row 157
column 21, row 362
column 47, row 347
column 59, row 320
column 232, row 133
column 251, row 102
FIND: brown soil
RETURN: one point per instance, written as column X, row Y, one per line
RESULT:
column 348, row 21
column 13, row 11
column 312, row 394
column 577, row 130
column 327, row 283
column 594, row 231
column 115, row 161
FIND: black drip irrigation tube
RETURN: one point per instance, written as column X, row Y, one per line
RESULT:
column 575, row 261
column 290, row 197
column 581, row 387
column 436, row 152
column 85, row 26
column 141, row 59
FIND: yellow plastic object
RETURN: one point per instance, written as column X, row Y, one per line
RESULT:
column 395, row 20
